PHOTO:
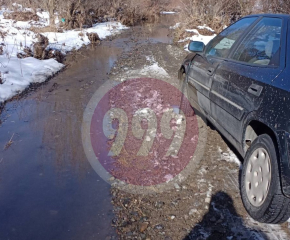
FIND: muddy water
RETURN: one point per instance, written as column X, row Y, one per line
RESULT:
column 48, row 190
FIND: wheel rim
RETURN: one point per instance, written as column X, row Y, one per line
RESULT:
column 258, row 177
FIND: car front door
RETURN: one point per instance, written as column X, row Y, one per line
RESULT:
column 240, row 81
column 203, row 66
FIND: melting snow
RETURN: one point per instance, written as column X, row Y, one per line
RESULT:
column 152, row 70
column 229, row 156
column 164, row 12
column 206, row 27
column 177, row 25
column 198, row 36
column 17, row 74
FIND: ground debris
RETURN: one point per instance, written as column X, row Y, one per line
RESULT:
column 54, row 87
column 27, row 52
column 10, row 142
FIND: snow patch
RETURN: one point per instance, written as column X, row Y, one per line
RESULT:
column 17, row 74
column 164, row 12
column 152, row 70
column 177, row 25
column 229, row 156
column 197, row 37
column 206, row 27
column 271, row 231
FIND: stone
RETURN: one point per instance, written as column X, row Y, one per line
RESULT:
column 192, row 211
column 143, row 226
column 159, row 227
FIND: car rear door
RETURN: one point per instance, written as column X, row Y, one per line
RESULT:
column 203, row 66
column 240, row 82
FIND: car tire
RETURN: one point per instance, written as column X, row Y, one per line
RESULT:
column 260, row 183
column 184, row 104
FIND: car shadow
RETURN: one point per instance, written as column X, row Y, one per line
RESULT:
column 222, row 222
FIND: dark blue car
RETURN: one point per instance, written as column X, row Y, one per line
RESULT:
column 240, row 82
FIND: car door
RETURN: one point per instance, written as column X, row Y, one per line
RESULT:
column 240, row 81
column 203, row 66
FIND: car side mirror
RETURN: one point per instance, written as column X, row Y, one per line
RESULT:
column 196, row 46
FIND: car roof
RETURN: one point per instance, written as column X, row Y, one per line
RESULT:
column 269, row 15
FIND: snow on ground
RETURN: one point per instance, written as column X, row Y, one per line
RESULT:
column 17, row 74
column 206, row 27
column 177, row 25
column 69, row 40
column 153, row 69
column 229, row 156
column 198, row 37
column 164, row 12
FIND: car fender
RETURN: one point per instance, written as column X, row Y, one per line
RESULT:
column 185, row 65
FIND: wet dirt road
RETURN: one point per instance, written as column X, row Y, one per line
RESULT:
column 48, row 190
column 205, row 201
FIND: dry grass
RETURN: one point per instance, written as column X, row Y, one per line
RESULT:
column 219, row 13
column 21, row 16
column 84, row 13
column 215, row 13
column 39, row 30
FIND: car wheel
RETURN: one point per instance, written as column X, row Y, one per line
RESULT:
column 260, row 183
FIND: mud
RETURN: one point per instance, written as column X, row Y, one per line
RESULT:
column 49, row 191
column 206, row 204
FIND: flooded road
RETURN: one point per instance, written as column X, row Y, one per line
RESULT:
column 48, row 189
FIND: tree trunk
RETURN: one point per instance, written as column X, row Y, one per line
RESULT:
column 51, row 8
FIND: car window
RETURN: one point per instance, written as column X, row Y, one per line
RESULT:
column 221, row 44
column 262, row 45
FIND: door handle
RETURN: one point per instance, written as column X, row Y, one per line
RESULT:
column 255, row 89
column 210, row 70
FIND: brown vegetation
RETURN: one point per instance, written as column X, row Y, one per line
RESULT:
column 219, row 13
column 26, row 53
column 21, row 16
column 215, row 13
column 85, row 13
column 40, row 51
column 40, row 46
column 276, row 6
column 94, row 38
